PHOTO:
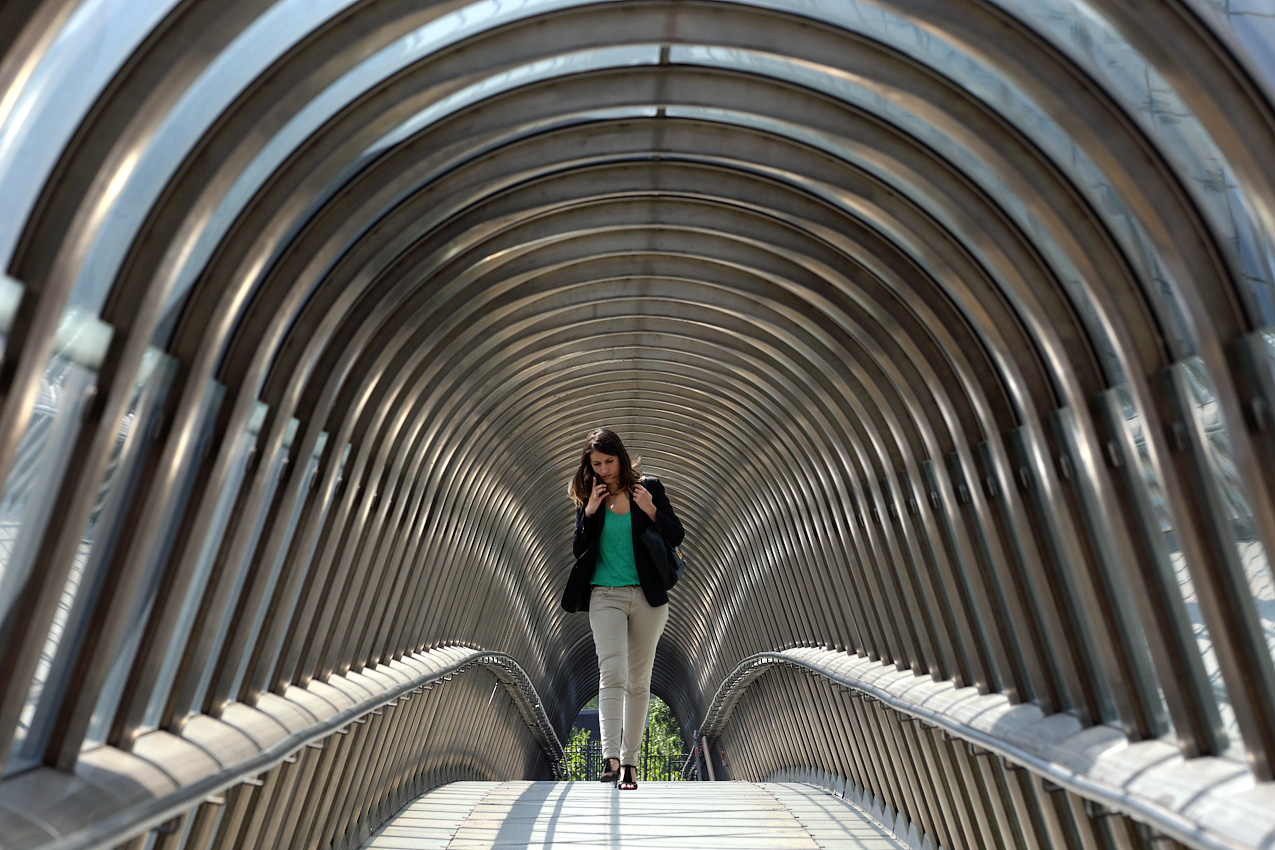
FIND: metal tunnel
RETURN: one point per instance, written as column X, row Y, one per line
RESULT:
column 949, row 326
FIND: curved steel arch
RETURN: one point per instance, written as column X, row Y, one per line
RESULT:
column 964, row 393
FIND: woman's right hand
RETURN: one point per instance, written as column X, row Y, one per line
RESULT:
column 596, row 498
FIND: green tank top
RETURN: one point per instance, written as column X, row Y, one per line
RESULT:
column 615, row 566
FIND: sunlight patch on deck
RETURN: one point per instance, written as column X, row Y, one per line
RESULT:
column 663, row 815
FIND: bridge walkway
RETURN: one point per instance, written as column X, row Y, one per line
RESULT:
column 664, row 815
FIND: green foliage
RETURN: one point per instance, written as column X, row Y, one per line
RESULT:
column 662, row 749
column 578, row 762
column 579, row 738
column 662, row 731
column 661, row 757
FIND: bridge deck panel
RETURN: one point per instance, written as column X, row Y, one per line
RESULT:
column 664, row 815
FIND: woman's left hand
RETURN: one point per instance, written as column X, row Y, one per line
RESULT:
column 642, row 498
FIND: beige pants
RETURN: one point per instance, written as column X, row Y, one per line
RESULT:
column 625, row 631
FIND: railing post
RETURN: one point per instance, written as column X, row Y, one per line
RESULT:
column 708, row 760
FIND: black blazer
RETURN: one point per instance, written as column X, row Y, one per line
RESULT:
column 584, row 545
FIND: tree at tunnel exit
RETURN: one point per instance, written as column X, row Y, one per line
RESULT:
column 663, row 734
column 662, row 753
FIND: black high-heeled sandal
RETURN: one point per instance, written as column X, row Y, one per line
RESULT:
column 628, row 778
column 609, row 773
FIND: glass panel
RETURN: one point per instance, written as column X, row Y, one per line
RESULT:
column 243, row 61
column 97, row 545
column 270, row 36
column 1110, row 576
column 966, row 568
column 28, row 500
column 305, row 558
column 91, row 47
column 273, row 578
column 36, row 476
column 103, row 713
column 998, row 92
column 188, row 824
column 164, row 683
column 1252, row 27
column 1144, row 93
column 642, row 54
column 37, row 469
column 242, row 572
column 956, row 653
column 968, row 160
column 1232, row 502
column 10, row 297
column 1148, row 502
column 1053, row 590
column 1256, row 567
column 337, row 96
column 1235, row 502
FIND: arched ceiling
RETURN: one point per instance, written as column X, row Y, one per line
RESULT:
column 861, row 282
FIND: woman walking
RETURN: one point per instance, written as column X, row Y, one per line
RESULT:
column 615, row 581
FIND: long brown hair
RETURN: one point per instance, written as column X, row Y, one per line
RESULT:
column 608, row 442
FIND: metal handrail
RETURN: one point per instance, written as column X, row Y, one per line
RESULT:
column 129, row 822
column 1205, row 811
